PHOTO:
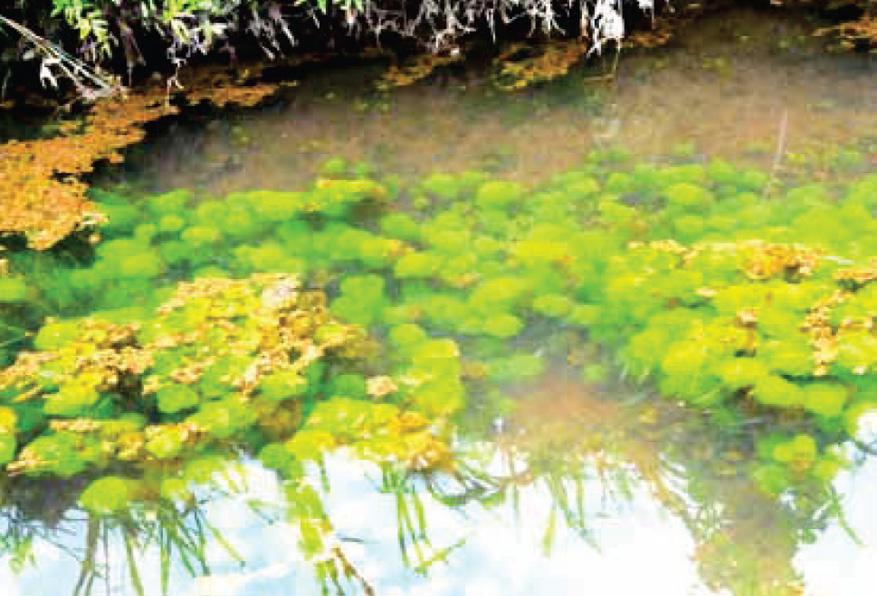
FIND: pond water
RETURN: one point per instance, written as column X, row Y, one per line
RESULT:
column 565, row 478
column 723, row 87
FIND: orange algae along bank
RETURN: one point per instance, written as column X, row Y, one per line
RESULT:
column 43, row 195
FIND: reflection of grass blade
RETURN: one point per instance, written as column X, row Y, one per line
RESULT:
column 350, row 571
column 550, row 528
column 477, row 487
column 440, row 555
column 573, row 512
column 412, row 529
column 197, row 539
column 173, row 527
column 580, row 497
column 165, row 548
column 132, row 563
column 415, row 535
column 835, row 511
column 324, row 475
column 225, row 544
column 234, row 483
column 87, row 571
column 401, row 514
column 262, row 510
column 421, row 517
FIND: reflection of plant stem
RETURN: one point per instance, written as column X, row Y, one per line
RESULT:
column 870, row 449
column 440, row 555
column 105, row 536
column 165, row 547
column 132, row 562
column 351, row 572
column 835, row 510
column 87, row 571
column 778, row 155
column 13, row 341
column 187, row 544
column 224, row 543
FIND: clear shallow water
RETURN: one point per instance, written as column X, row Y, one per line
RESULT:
column 723, row 87
column 665, row 506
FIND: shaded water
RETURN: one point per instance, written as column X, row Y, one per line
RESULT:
column 574, row 488
column 723, row 88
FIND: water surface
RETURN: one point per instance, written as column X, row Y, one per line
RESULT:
column 735, row 85
column 580, row 487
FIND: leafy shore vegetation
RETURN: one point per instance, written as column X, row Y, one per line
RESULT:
column 43, row 193
column 104, row 33
column 97, row 42
column 365, row 313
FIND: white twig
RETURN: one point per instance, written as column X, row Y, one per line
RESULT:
column 89, row 83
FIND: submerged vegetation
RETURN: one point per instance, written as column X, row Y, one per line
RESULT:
column 687, row 274
column 360, row 312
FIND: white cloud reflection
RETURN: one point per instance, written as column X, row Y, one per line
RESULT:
column 642, row 549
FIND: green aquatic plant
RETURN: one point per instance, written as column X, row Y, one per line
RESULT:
column 12, row 290
column 222, row 365
column 106, row 495
column 174, row 342
column 183, row 336
column 726, row 301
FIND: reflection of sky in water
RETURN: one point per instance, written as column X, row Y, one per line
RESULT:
column 503, row 553
column 834, row 564
column 642, row 549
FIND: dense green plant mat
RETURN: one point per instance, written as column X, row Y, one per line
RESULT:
column 223, row 363
column 757, row 310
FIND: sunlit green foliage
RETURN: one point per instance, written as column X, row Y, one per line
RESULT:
column 112, row 33
column 753, row 310
column 221, row 365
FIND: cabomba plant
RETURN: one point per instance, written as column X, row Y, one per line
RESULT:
column 254, row 364
column 758, row 311
column 366, row 313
